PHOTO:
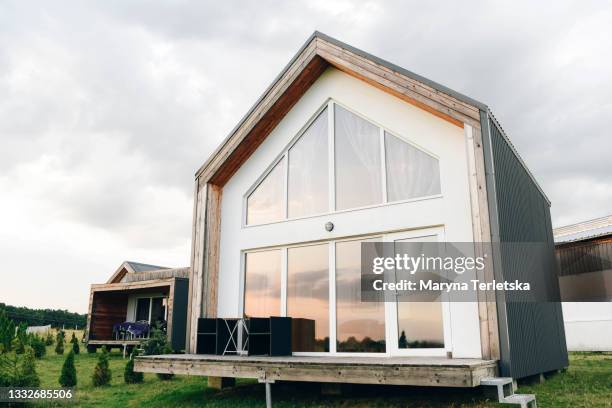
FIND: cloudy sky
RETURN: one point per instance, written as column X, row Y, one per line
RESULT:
column 107, row 109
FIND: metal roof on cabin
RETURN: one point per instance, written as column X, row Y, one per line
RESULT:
column 141, row 267
column 585, row 230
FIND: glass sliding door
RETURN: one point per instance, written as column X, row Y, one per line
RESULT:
column 158, row 310
column 308, row 297
column 419, row 326
column 360, row 326
column 262, row 292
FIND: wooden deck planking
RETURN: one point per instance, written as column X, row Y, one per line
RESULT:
column 419, row 371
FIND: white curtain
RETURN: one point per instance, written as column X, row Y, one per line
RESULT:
column 308, row 171
column 411, row 172
column 357, row 159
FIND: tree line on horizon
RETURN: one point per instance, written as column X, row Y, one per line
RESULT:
column 42, row 317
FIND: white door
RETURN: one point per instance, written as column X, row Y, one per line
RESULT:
column 418, row 328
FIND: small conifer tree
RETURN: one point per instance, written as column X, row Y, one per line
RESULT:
column 49, row 339
column 7, row 331
column 27, row 376
column 75, row 344
column 129, row 375
column 39, row 347
column 68, row 377
column 102, row 374
column 59, row 345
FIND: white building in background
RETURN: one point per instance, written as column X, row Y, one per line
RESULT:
column 584, row 251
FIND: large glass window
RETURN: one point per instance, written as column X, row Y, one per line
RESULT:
column 308, row 172
column 357, row 161
column 308, row 296
column 356, row 165
column 266, row 202
column 410, row 172
column 360, row 326
column 262, row 284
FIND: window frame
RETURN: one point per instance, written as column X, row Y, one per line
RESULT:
column 331, row 165
column 390, row 308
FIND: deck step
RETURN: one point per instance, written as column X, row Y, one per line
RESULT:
column 502, row 383
column 524, row 400
column 495, row 381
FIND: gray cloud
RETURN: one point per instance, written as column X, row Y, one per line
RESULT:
column 108, row 108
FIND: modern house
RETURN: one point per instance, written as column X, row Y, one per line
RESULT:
column 135, row 299
column 343, row 148
column 584, row 253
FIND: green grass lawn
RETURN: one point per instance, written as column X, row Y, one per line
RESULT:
column 587, row 383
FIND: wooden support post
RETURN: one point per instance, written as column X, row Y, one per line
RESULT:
column 219, row 383
column 532, row 379
column 268, row 395
column 331, row 389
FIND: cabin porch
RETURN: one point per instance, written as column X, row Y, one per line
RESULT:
column 415, row 371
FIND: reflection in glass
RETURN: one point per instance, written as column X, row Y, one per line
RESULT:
column 410, row 172
column 308, row 296
column 308, row 171
column 360, row 327
column 357, row 161
column 266, row 202
column 262, row 283
column 420, row 324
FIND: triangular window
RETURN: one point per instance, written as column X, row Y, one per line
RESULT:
column 369, row 166
column 266, row 202
column 411, row 172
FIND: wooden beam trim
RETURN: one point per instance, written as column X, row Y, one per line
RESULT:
column 438, row 100
column 402, row 80
column 109, row 287
column 487, row 301
column 262, row 107
column 211, row 260
column 268, row 122
column 196, row 281
column 399, row 91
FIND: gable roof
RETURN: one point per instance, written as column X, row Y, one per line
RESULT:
column 132, row 267
column 319, row 52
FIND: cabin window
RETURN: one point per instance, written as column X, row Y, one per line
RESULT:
column 158, row 310
column 360, row 326
column 411, row 172
column 357, row 150
column 151, row 309
column 266, row 202
column 369, row 166
column 308, row 296
column 143, row 306
column 308, row 174
column 262, row 284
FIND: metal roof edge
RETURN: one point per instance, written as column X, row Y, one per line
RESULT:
column 517, row 155
column 437, row 86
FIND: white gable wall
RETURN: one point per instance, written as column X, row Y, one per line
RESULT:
column 451, row 211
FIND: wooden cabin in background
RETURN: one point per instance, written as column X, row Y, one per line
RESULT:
column 136, row 298
column 584, row 254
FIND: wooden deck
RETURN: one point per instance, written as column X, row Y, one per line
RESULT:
column 418, row 371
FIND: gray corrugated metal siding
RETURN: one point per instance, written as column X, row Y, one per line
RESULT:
column 534, row 332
